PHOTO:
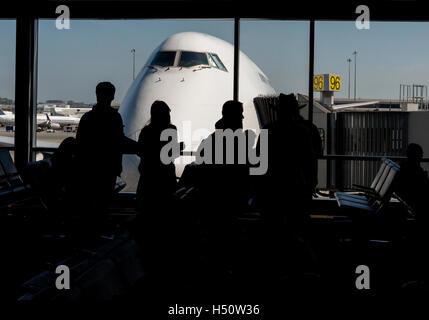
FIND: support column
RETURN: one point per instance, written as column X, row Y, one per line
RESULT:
column 236, row 57
column 25, row 88
column 311, row 72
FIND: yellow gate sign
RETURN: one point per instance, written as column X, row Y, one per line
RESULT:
column 327, row 82
column 318, row 83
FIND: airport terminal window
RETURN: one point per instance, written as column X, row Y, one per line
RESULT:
column 191, row 59
column 117, row 51
column 280, row 50
column 374, row 122
column 164, row 59
column 275, row 60
column 7, row 82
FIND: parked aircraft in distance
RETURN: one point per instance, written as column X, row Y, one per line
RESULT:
column 44, row 121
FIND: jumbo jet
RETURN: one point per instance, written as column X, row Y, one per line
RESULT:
column 193, row 73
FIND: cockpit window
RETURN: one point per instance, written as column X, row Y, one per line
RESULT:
column 264, row 79
column 164, row 59
column 218, row 62
column 190, row 59
column 187, row 59
column 212, row 62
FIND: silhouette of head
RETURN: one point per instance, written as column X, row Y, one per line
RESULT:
column 232, row 115
column 66, row 149
column 105, row 92
column 414, row 152
column 160, row 114
column 288, row 108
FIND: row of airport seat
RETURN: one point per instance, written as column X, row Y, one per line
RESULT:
column 12, row 186
column 377, row 195
column 38, row 175
column 93, row 270
column 103, row 273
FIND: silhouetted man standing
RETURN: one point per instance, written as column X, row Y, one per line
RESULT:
column 291, row 159
column 285, row 191
column 225, row 150
column 232, row 119
column 100, row 139
column 222, row 180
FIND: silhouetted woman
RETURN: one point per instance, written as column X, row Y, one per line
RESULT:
column 157, row 180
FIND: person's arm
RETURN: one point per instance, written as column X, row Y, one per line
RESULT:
column 81, row 129
column 181, row 145
column 129, row 146
column 82, row 135
column 126, row 145
column 140, row 143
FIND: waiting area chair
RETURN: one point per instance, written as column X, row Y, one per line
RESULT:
column 377, row 195
column 12, row 186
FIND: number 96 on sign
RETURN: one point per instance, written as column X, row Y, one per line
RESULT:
column 327, row 82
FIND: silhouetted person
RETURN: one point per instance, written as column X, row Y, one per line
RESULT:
column 291, row 157
column 285, row 190
column 226, row 165
column 221, row 177
column 412, row 186
column 100, row 142
column 412, row 183
column 316, row 142
column 63, row 162
column 157, row 228
column 157, row 179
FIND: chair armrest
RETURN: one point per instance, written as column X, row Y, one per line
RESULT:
column 370, row 192
column 362, row 188
column 407, row 206
column 119, row 186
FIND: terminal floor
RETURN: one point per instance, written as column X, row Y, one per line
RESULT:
column 202, row 266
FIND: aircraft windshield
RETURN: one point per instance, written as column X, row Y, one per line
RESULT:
column 212, row 61
column 218, row 61
column 164, row 59
column 190, row 59
column 187, row 59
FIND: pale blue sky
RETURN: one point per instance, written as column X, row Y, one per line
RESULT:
column 71, row 62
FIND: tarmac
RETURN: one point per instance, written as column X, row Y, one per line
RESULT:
column 52, row 137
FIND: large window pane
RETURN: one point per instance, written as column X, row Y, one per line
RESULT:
column 171, row 64
column 382, row 104
column 275, row 60
column 280, row 50
column 7, row 82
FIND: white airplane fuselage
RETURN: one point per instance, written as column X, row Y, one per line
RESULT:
column 194, row 94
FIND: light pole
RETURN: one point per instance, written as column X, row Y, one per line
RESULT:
column 349, row 60
column 133, row 51
column 355, row 54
